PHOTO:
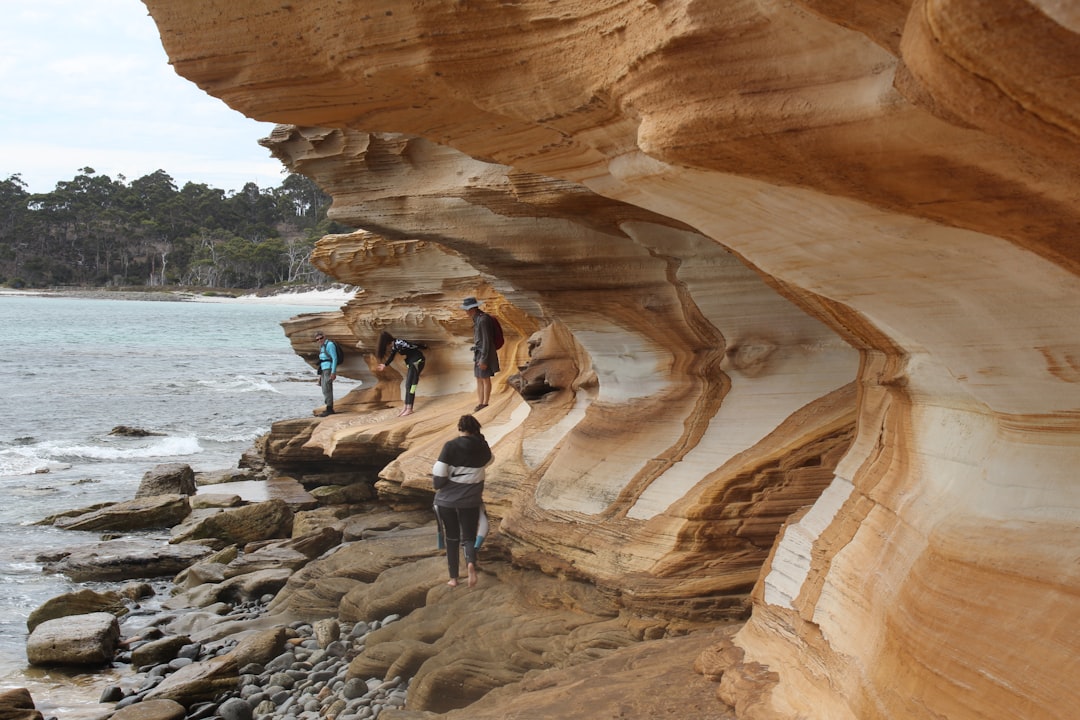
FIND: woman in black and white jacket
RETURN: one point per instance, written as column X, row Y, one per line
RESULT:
column 458, row 477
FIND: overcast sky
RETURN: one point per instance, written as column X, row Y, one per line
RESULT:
column 86, row 83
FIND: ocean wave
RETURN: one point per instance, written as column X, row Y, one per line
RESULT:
column 24, row 462
column 240, row 383
column 242, row 436
column 23, row 567
column 47, row 456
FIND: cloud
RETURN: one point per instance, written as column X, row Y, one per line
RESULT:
column 89, row 85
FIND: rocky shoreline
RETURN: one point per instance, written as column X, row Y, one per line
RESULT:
column 310, row 598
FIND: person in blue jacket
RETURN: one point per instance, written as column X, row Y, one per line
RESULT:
column 414, row 364
column 328, row 362
column 458, row 477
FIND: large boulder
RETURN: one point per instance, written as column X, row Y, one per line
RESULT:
column 80, row 602
column 218, row 477
column 250, row 523
column 292, row 554
column 126, row 559
column 198, row 682
column 167, row 479
column 307, row 521
column 74, row 640
column 209, row 569
column 16, row 704
column 142, row 513
column 215, row 500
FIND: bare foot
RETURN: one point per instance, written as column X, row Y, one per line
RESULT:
column 452, row 582
column 472, row 575
column 406, row 411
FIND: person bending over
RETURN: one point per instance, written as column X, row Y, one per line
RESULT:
column 414, row 364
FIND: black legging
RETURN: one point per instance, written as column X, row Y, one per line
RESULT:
column 412, row 379
column 459, row 529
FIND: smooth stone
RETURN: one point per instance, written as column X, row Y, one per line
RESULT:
column 151, row 710
column 235, row 709
column 283, row 679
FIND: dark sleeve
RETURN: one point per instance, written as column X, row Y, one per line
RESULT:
column 393, row 353
column 485, row 337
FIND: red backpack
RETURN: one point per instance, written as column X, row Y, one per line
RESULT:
column 496, row 332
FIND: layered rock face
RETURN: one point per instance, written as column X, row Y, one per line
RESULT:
column 791, row 291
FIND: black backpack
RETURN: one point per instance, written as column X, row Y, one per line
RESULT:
column 340, row 352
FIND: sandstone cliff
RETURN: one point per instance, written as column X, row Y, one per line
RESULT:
column 792, row 294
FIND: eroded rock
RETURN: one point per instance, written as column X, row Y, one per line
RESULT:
column 89, row 639
column 126, row 559
column 167, row 479
column 142, row 513
column 79, row 602
column 17, row 704
column 779, row 255
column 248, row 523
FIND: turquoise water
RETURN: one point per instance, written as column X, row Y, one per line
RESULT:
column 208, row 377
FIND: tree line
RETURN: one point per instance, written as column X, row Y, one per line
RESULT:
column 94, row 231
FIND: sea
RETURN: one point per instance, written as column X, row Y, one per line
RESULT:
column 205, row 378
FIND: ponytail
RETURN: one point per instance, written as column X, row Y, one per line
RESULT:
column 385, row 339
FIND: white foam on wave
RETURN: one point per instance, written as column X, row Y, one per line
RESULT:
column 240, row 383
column 25, row 461
column 245, row 436
column 165, row 447
column 55, row 456
column 26, row 567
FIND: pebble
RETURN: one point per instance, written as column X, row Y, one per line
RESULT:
column 305, row 682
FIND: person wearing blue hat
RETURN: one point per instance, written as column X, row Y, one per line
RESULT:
column 485, row 354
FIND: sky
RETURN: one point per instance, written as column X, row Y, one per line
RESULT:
column 86, row 83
